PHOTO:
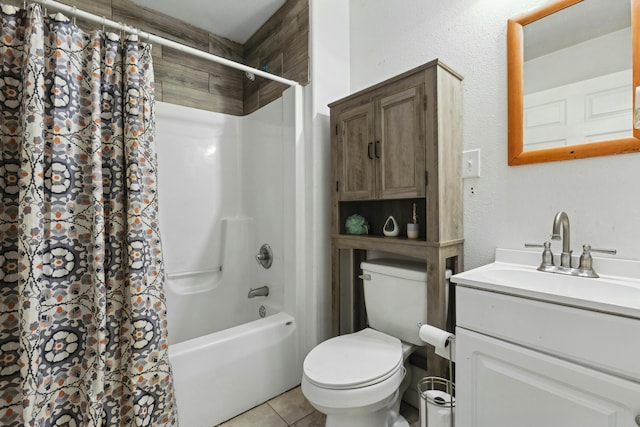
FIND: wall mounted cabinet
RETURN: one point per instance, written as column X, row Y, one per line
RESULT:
column 393, row 145
column 380, row 149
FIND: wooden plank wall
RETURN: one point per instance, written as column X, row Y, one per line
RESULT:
column 282, row 42
column 281, row 45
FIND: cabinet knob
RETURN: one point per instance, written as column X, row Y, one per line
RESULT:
column 370, row 150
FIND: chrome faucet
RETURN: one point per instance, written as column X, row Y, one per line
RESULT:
column 584, row 269
column 562, row 219
column 262, row 291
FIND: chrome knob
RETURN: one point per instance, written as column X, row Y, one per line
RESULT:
column 265, row 256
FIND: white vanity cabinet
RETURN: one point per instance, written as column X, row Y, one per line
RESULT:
column 533, row 362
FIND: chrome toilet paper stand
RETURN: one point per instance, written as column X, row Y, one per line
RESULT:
column 438, row 383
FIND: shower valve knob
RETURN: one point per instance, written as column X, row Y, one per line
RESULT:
column 265, row 256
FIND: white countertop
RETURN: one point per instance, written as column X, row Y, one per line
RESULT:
column 616, row 291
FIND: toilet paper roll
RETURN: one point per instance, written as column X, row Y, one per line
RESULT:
column 435, row 336
column 441, row 340
column 439, row 415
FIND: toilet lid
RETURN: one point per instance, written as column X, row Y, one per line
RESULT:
column 356, row 360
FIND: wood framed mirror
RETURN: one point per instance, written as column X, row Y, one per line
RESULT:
column 594, row 138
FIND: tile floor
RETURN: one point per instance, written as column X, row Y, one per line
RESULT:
column 291, row 409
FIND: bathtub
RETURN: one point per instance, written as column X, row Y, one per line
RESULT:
column 226, row 359
column 221, row 375
column 222, row 194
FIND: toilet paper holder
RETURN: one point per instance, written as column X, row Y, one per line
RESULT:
column 436, row 394
column 443, row 342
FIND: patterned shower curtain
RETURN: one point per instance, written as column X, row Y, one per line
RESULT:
column 83, row 338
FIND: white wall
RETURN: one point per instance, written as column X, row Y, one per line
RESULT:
column 329, row 50
column 508, row 205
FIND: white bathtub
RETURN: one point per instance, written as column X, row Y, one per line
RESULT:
column 221, row 375
column 225, row 188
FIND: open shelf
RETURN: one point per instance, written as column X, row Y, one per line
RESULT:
column 398, row 245
column 376, row 213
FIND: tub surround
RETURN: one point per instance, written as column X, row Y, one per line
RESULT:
column 219, row 345
column 236, row 167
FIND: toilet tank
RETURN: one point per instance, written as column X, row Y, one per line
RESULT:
column 395, row 295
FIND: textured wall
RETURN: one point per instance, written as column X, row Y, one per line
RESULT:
column 186, row 80
column 507, row 205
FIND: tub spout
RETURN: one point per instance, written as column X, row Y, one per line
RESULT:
column 262, row 291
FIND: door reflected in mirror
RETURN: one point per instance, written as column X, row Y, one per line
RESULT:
column 571, row 81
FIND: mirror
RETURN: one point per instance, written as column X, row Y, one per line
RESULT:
column 573, row 66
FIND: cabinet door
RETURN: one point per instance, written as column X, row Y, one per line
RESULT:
column 499, row 384
column 356, row 154
column 399, row 147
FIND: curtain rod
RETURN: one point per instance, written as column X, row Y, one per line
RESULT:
column 75, row 12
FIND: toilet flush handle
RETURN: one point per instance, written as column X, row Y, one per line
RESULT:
column 364, row 277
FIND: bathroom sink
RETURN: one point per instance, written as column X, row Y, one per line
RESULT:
column 613, row 294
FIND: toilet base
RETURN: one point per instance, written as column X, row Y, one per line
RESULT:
column 371, row 419
column 377, row 419
column 401, row 422
column 359, row 421
column 386, row 416
column 394, row 419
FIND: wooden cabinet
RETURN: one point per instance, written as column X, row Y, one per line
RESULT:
column 393, row 145
column 356, row 154
column 380, row 145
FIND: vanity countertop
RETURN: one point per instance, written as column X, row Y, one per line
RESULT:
column 514, row 272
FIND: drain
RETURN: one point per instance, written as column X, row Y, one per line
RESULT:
column 262, row 311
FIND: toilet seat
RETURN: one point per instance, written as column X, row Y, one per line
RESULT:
column 352, row 361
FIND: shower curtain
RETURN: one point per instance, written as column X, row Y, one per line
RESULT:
column 83, row 337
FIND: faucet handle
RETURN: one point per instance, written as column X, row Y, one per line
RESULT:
column 603, row 251
column 547, row 255
column 535, row 245
column 585, row 259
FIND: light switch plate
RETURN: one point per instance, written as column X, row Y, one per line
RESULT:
column 471, row 164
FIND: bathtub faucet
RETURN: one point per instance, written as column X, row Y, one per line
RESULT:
column 262, row 291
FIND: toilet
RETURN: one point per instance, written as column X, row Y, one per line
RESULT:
column 357, row 379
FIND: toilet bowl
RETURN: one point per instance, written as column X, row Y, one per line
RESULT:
column 356, row 379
